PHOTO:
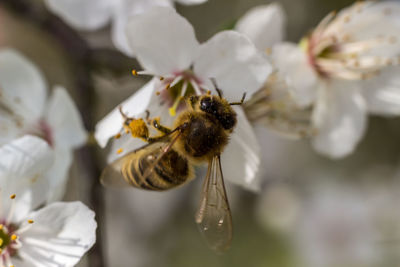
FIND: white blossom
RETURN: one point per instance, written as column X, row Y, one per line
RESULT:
column 345, row 68
column 94, row 14
column 54, row 235
column 25, row 108
column 166, row 46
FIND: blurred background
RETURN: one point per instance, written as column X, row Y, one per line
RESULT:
column 311, row 211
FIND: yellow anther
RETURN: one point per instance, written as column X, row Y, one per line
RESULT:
column 11, row 265
column 158, row 93
column 134, row 73
column 161, row 78
column 30, row 221
column 138, row 128
column 1, row 241
column 14, row 237
column 1, row 251
column 119, row 151
column 1, row 227
column 117, row 136
column 172, row 110
column 13, row 196
column 167, row 86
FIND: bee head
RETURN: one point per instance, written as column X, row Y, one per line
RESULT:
column 219, row 108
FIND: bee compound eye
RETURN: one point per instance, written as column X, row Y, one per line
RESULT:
column 205, row 104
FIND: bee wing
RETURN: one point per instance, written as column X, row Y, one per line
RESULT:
column 214, row 216
column 112, row 175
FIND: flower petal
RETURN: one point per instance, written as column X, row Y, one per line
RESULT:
column 22, row 86
column 10, row 127
column 234, row 62
column 340, row 119
column 112, row 123
column 125, row 10
column 241, row 158
column 300, row 77
column 64, row 119
column 264, row 25
column 382, row 93
column 83, row 14
column 58, row 174
column 23, row 165
column 162, row 40
column 61, row 234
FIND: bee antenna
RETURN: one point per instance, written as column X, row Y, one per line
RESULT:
column 241, row 101
column 219, row 91
column 122, row 113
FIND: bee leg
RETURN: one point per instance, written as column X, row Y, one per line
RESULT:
column 157, row 125
column 239, row 103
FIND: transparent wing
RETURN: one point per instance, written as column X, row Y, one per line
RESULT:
column 113, row 174
column 214, row 216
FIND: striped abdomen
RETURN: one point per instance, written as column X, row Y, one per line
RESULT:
column 169, row 172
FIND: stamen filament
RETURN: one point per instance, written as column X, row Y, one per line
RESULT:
column 12, row 208
column 184, row 88
column 176, row 80
column 172, row 110
column 196, row 87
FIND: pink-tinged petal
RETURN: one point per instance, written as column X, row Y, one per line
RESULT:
column 241, row 158
column 126, row 9
column 83, row 14
column 61, row 235
column 301, row 79
column 162, row 40
column 265, row 25
column 382, row 92
column 111, row 124
column 22, row 86
column 23, row 165
column 65, row 122
column 340, row 119
column 234, row 62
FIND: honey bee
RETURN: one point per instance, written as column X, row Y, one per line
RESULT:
column 199, row 135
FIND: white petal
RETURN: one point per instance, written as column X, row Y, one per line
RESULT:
column 22, row 86
column 10, row 127
column 58, row 175
column 83, row 14
column 163, row 41
column 111, row 124
column 382, row 93
column 241, row 158
column 300, row 77
column 234, row 62
column 190, row 2
column 340, row 119
column 64, row 119
column 124, row 10
column 23, row 165
column 369, row 20
column 61, row 234
column 265, row 25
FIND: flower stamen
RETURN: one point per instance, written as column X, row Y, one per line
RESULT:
column 12, row 208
